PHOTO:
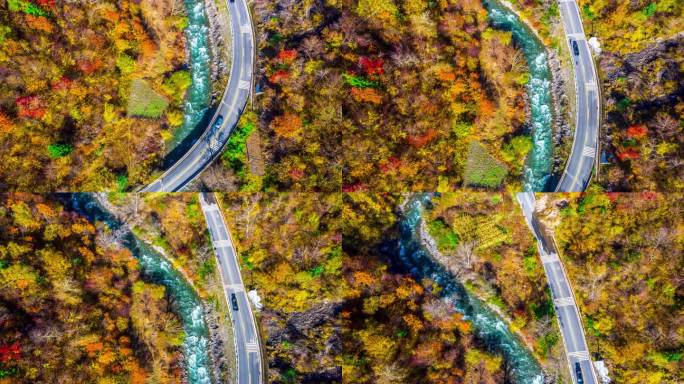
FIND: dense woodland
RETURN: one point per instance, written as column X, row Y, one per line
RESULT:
column 386, row 95
column 73, row 307
column 625, row 27
column 289, row 250
column 330, row 299
column 624, row 255
column 642, row 68
column 417, row 337
column 334, row 308
column 486, row 244
column 89, row 91
column 643, row 133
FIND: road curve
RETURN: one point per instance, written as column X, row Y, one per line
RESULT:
column 578, row 169
column 567, row 314
column 247, row 345
column 232, row 104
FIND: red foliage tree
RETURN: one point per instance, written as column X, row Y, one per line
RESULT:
column 287, row 56
column 89, row 66
column 30, row 106
column 649, row 195
column 296, row 174
column 637, row 131
column 370, row 66
column 62, row 84
column 391, row 164
column 354, row 187
column 10, row 352
column 44, row 3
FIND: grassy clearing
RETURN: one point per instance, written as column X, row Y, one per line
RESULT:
column 482, row 170
column 144, row 101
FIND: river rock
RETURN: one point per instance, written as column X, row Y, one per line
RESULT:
column 220, row 365
column 303, row 321
column 559, row 99
column 615, row 66
column 217, row 24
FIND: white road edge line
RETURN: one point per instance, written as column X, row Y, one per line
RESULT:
column 527, row 199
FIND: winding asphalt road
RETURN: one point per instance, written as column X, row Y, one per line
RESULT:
column 578, row 170
column 248, row 350
column 233, row 102
column 567, row 314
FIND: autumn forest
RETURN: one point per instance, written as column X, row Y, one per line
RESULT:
column 342, row 191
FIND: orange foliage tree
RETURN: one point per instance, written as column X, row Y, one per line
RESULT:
column 6, row 125
column 287, row 125
column 637, row 131
column 287, row 56
column 419, row 141
column 366, row 94
column 39, row 23
column 30, row 106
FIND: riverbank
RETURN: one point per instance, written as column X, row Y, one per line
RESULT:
column 489, row 328
column 482, row 243
column 538, row 164
column 560, row 89
column 429, row 243
column 220, row 44
column 146, row 237
column 221, row 339
column 562, row 85
column 215, row 310
column 184, row 300
column 478, row 287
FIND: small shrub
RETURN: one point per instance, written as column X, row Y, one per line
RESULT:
column 359, row 82
column 125, row 64
column 623, row 104
column 121, row 183
column 56, row 151
column 650, row 10
column 207, row 268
